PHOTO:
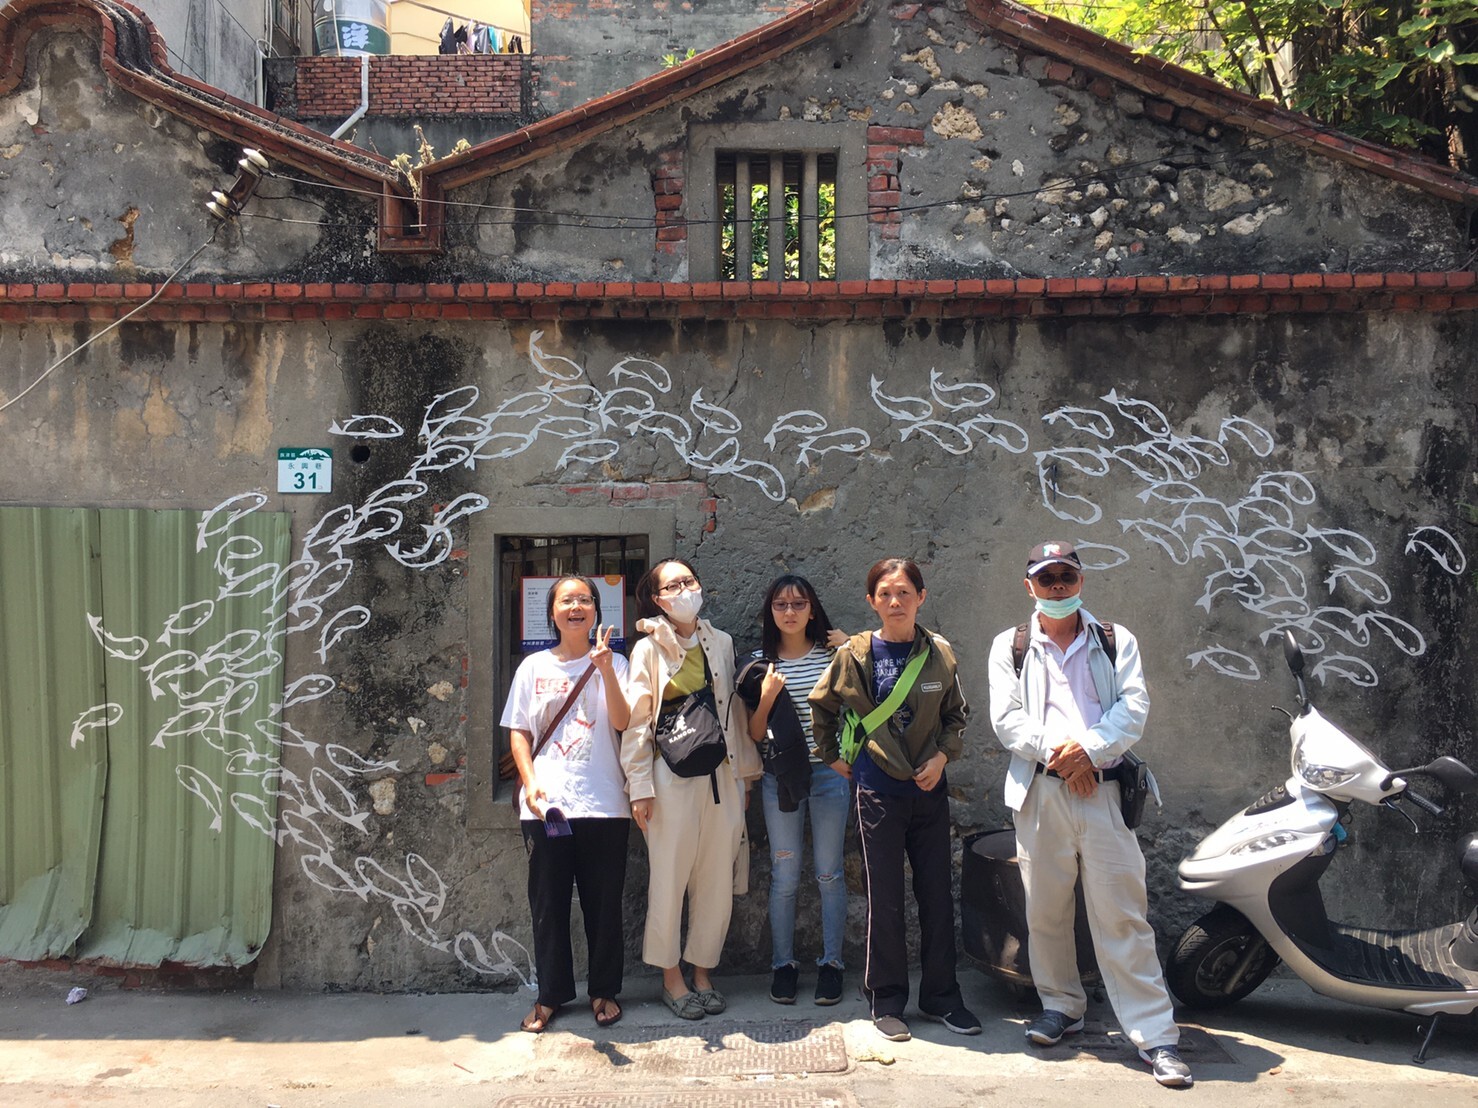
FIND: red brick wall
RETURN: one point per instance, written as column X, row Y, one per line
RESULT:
column 414, row 84
column 667, row 185
column 884, row 192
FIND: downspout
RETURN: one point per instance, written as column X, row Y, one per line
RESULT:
column 364, row 60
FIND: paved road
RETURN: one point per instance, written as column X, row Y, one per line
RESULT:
column 1283, row 1046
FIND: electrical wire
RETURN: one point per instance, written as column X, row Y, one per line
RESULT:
column 116, row 323
column 244, row 31
column 181, row 59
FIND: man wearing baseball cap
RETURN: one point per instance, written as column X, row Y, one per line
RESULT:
column 1067, row 699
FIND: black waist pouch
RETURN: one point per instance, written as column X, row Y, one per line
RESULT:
column 1133, row 775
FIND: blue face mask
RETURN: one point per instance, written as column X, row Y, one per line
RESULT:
column 1059, row 609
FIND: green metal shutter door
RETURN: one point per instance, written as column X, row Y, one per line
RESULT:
column 179, row 866
column 51, row 673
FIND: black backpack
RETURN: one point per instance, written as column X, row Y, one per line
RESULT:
column 1104, row 632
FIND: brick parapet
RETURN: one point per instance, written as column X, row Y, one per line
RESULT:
column 421, row 85
column 1205, row 295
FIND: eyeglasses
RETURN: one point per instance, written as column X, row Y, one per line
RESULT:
column 789, row 605
column 1068, row 577
column 682, row 584
column 575, row 602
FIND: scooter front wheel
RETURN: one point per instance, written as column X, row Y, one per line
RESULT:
column 1219, row 960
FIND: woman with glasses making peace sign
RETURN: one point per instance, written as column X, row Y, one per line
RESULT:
column 565, row 713
column 681, row 683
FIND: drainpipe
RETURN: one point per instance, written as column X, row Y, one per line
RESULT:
column 364, row 60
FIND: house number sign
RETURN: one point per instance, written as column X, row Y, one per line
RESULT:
column 305, row 469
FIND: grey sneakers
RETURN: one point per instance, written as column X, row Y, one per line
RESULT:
column 1049, row 1028
column 1166, row 1064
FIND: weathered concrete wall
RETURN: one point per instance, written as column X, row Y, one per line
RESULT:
column 1018, row 174
column 212, row 41
column 587, row 50
column 1152, row 198
column 97, row 182
column 1205, row 467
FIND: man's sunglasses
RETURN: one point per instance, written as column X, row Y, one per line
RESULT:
column 1068, row 577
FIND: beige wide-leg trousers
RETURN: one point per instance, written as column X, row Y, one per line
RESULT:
column 1059, row 836
column 691, row 845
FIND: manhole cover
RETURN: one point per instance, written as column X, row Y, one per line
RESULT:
column 805, row 1097
column 720, row 1049
column 1198, row 1047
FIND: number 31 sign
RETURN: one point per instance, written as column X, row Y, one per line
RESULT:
column 304, row 469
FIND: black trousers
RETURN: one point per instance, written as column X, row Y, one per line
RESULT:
column 916, row 826
column 592, row 860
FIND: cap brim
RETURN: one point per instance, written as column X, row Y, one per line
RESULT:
column 1033, row 570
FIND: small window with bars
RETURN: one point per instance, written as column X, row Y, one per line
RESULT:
column 777, row 215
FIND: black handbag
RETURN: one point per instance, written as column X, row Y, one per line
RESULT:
column 1133, row 774
column 690, row 736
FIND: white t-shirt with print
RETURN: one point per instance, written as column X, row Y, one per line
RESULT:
column 579, row 768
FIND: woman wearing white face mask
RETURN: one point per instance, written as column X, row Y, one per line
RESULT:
column 682, row 681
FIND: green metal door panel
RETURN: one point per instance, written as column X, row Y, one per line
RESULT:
column 53, row 737
column 188, row 838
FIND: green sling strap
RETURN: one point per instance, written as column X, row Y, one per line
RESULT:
column 856, row 729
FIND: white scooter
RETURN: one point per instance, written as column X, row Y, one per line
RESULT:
column 1263, row 867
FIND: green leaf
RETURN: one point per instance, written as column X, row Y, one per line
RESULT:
column 1464, row 59
column 1419, row 26
column 1388, row 74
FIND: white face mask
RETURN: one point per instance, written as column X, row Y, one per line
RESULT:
column 685, row 606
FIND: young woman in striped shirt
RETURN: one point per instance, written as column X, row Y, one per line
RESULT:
column 797, row 641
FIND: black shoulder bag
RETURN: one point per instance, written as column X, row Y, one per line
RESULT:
column 690, row 736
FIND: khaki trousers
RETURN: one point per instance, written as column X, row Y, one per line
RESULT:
column 691, row 846
column 1058, row 837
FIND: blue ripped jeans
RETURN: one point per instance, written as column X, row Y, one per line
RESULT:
column 828, row 802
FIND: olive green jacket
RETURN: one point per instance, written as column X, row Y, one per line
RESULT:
column 938, row 706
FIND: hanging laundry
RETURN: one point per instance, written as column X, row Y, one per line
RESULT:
column 515, row 45
column 461, row 39
column 448, row 40
column 478, row 33
column 495, row 41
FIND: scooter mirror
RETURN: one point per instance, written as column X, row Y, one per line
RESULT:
column 1292, row 654
column 1454, row 775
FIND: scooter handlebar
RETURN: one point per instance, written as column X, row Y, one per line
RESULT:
column 1423, row 803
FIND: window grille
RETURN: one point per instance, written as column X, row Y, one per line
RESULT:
column 803, row 222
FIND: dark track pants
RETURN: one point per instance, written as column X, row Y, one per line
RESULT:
column 916, row 826
column 592, row 861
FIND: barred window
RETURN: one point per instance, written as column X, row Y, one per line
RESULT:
column 784, row 201
column 779, row 215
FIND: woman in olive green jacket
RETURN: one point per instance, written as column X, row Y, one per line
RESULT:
column 902, row 798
